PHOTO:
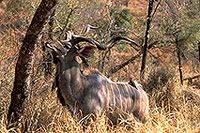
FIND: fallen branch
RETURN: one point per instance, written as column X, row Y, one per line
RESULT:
column 118, row 67
column 191, row 78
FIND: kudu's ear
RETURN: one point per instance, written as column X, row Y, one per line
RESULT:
column 86, row 51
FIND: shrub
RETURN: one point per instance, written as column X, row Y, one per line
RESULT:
column 159, row 86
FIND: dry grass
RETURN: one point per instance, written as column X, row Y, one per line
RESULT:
column 54, row 118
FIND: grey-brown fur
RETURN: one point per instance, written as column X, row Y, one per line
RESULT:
column 95, row 93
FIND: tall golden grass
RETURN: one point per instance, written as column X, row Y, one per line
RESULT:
column 51, row 117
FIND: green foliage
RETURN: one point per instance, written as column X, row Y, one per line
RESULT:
column 122, row 22
column 191, row 28
column 122, row 19
column 178, row 25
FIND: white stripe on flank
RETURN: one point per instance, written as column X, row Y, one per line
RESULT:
column 140, row 103
column 122, row 89
column 120, row 97
column 138, row 86
column 129, row 94
column 107, row 94
column 113, row 96
column 134, row 104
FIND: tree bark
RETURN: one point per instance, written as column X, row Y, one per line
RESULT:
column 199, row 50
column 24, row 68
column 179, row 64
column 146, row 39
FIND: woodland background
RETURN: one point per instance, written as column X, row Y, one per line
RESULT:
column 174, row 45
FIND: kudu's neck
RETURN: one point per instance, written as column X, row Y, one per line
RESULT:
column 72, row 79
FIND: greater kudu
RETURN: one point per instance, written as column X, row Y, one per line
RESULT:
column 95, row 93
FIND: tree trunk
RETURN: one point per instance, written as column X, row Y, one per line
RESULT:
column 24, row 68
column 146, row 39
column 199, row 50
column 179, row 64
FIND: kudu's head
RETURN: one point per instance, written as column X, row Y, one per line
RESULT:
column 68, row 49
column 65, row 51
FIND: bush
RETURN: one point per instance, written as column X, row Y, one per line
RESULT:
column 159, row 86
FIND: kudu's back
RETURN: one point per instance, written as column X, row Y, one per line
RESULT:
column 115, row 98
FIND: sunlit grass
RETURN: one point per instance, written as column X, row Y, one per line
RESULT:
column 182, row 118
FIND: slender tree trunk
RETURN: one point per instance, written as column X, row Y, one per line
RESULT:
column 24, row 68
column 179, row 64
column 199, row 50
column 146, row 39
